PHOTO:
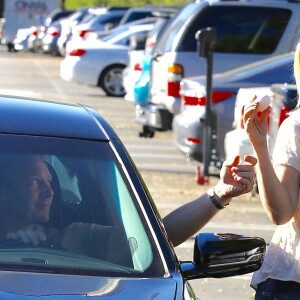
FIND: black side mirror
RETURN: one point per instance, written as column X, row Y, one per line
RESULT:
column 224, row 255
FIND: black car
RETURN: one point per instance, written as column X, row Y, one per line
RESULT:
column 90, row 181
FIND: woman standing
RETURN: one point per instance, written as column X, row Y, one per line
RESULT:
column 278, row 182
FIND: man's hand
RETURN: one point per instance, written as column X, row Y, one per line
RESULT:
column 28, row 236
column 236, row 179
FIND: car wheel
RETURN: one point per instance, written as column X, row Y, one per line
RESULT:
column 11, row 47
column 111, row 81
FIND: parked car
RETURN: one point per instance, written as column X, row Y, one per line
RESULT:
column 188, row 125
column 66, row 28
column 137, row 70
column 22, row 14
column 240, row 39
column 49, row 41
column 283, row 100
column 133, row 70
column 127, row 253
column 20, row 43
column 101, row 63
column 140, row 46
column 97, row 19
column 35, row 40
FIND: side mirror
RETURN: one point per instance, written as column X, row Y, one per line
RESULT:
column 223, row 255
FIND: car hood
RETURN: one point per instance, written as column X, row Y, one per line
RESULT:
column 29, row 286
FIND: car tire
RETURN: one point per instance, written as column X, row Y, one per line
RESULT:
column 111, row 81
column 11, row 47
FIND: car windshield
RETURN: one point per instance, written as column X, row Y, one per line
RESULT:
column 76, row 197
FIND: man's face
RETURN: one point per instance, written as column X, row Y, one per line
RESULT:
column 31, row 194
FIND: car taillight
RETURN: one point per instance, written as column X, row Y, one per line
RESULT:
column 137, row 67
column 82, row 33
column 77, row 52
column 217, row 96
column 34, row 31
column 188, row 100
column 192, row 140
column 53, row 31
column 283, row 114
column 175, row 74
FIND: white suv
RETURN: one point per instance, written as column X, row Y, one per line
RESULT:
column 247, row 31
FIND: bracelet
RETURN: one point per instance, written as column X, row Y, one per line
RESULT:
column 214, row 199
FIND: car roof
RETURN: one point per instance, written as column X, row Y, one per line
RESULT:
column 28, row 116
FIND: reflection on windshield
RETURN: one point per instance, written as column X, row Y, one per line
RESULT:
column 72, row 201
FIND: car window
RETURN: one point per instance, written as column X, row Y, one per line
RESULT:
column 94, row 224
column 88, row 18
column 184, row 14
column 131, row 16
column 125, row 41
column 259, row 35
column 76, row 16
column 114, row 20
column 123, row 38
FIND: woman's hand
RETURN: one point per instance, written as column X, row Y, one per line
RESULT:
column 256, row 123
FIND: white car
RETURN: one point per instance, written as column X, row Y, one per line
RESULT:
column 101, row 62
column 283, row 99
column 134, row 70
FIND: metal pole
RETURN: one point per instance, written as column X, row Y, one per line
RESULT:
column 206, row 39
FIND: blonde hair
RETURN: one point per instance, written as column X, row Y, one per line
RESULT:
column 297, row 69
column 297, row 66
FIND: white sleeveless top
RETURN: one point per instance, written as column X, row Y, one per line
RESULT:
column 282, row 260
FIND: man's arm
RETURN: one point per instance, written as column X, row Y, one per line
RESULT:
column 235, row 180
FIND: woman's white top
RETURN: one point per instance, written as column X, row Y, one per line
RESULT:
column 282, row 260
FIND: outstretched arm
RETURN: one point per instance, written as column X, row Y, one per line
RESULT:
column 279, row 187
column 235, row 180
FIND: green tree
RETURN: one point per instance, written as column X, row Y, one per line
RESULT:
column 73, row 4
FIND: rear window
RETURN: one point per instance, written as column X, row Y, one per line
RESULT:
column 238, row 31
column 135, row 15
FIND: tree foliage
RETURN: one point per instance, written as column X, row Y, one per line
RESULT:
column 73, row 4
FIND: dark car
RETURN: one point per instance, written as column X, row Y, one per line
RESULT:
column 93, row 183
